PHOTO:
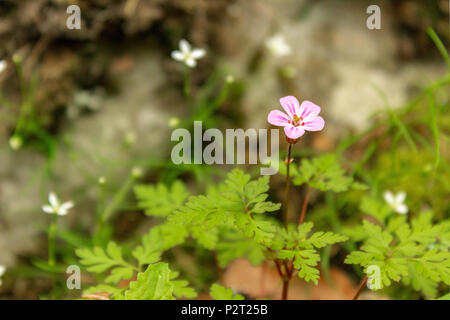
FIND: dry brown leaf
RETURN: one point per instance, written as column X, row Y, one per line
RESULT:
column 264, row 282
column 97, row 296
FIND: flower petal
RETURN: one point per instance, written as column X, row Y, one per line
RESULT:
column 400, row 197
column 315, row 124
column 291, row 105
column 198, row 53
column 3, row 65
column 2, row 270
column 185, row 47
column 308, row 109
column 278, row 118
column 48, row 209
column 66, row 206
column 177, row 55
column 293, row 132
column 388, row 197
column 53, row 199
column 190, row 62
column 402, row 209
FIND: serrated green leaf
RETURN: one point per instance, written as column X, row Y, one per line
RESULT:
column 324, row 173
column 305, row 261
column 233, row 246
column 181, row 288
column 376, row 209
column 153, row 284
column 221, row 293
column 119, row 273
column 98, row 260
column 321, row 239
column 160, row 200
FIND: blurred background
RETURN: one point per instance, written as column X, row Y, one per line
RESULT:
column 100, row 100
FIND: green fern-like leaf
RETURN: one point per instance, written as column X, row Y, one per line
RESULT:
column 153, row 284
column 238, row 203
column 98, row 260
column 160, row 200
column 324, row 173
column 410, row 252
column 221, row 293
column 306, row 261
column 321, row 239
column 234, row 245
column 181, row 288
column 298, row 244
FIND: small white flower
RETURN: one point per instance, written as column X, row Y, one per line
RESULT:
column 137, row 172
column 17, row 58
column 3, row 65
column 15, row 142
column 229, row 78
column 102, row 180
column 130, row 138
column 396, row 202
column 187, row 55
column 278, row 46
column 173, row 122
column 2, row 272
column 56, row 207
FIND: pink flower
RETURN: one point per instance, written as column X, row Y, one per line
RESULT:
column 298, row 118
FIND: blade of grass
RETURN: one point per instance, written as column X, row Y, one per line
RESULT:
column 435, row 38
column 396, row 120
column 434, row 128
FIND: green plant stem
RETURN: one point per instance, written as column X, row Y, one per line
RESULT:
column 288, row 184
column 207, row 111
column 101, row 203
column 218, row 268
column 360, row 287
column 187, row 83
column 286, row 276
column 99, row 217
column 51, row 241
column 434, row 128
column 118, row 198
column 441, row 47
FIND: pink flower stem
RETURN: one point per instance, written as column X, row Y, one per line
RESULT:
column 287, row 276
column 51, row 241
column 305, row 205
column 288, row 183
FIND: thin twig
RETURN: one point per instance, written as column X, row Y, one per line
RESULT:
column 284, row 294
column 287, row 268
column 280, row 273
column 305, row 205
column 362, row 284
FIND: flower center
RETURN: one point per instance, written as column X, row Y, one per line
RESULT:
column 297, row 121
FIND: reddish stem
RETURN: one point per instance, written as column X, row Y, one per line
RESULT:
column 362, row 284
column 280, row 273
column 305, row 205
column 284, row 295
column 288, row 183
